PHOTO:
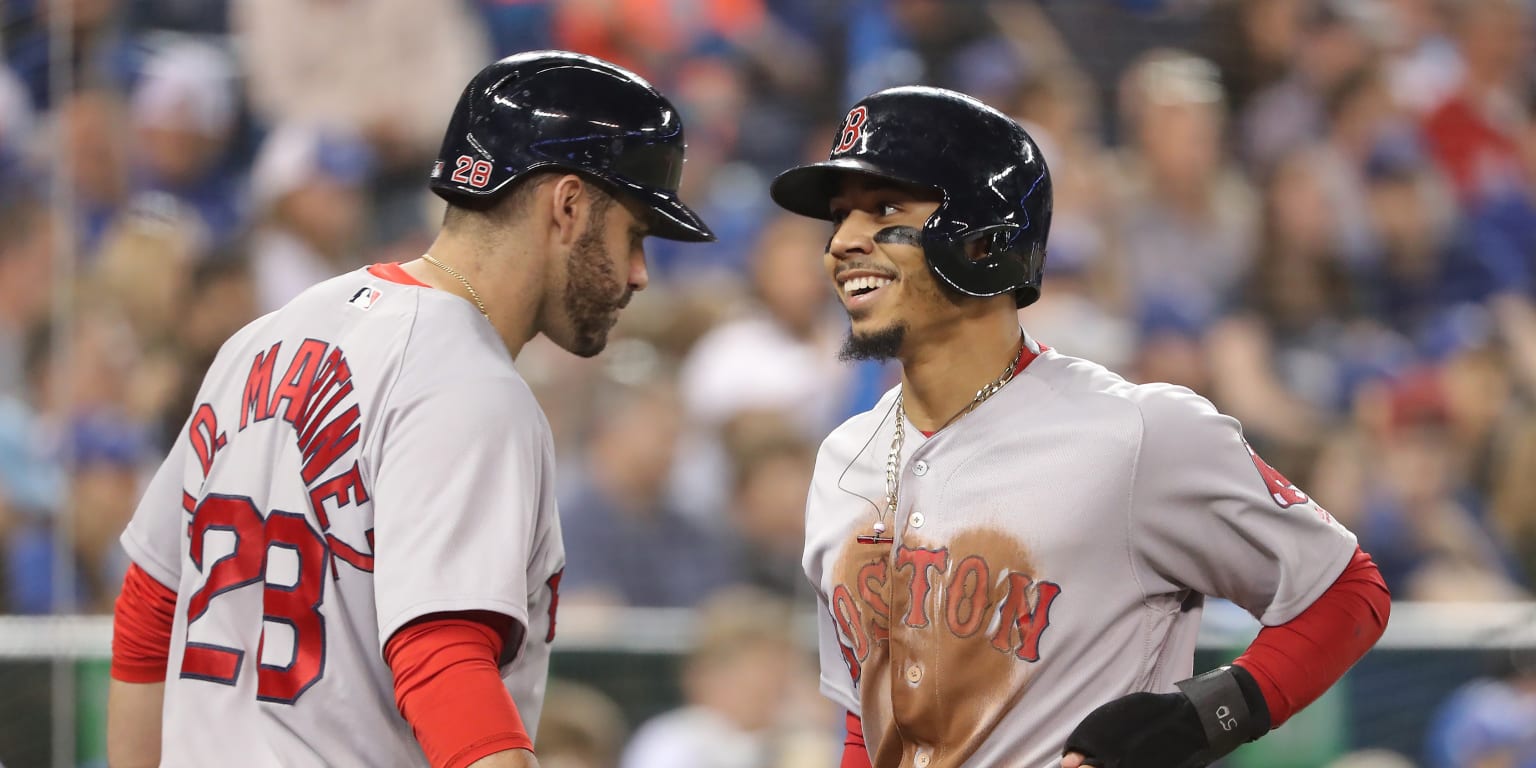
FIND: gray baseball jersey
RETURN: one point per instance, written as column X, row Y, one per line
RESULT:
column 365, row 456
column 1049, row 554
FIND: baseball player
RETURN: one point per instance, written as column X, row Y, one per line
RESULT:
column 1012, row 548
column 351, row 556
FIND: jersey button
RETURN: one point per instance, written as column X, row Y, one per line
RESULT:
column 920, row 468
column 916, row 520
column 914, row 674
column 922, row 760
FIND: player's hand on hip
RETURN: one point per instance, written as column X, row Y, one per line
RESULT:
column 1212, row 715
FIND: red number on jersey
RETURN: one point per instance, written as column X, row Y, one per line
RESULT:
column 296, row 604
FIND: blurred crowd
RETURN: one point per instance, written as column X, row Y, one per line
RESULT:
column 1321, row 214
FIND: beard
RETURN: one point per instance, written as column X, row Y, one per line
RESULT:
column 591, row 281
column 883, row 344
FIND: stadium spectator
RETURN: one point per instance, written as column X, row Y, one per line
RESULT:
column 738, row 684
column 1186, row 217
column 625, row 542
column 770, row 468
column 17, row 123
column 580, row 727
column 308, row 189
column 1315, row 51
column 1488, row 723
column 184, row 114
column 1084, row 312
column 397, row 75
column 26, row 268
column 84, row 140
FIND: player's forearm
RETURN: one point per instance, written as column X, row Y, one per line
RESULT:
column 512, row 758
column 1295, row 662
column 448, row 688
column 133, row 724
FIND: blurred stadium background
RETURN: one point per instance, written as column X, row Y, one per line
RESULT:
column 1321, row 214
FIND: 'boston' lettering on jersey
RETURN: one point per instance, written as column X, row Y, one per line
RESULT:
column 1010, row 610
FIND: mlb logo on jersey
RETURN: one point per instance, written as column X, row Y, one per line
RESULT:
column 365, row 297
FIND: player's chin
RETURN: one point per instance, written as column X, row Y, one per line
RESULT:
column 588, row 344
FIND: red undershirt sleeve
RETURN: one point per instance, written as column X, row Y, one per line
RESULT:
column 141, row 628
column 1295, row 662
column 449, row 688
column 855, row 753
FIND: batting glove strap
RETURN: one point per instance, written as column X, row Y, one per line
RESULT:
column 1170, row 730
column 1230, row 706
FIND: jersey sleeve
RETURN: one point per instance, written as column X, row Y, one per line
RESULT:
column 154, row 534
column 1208, row 514
column 458, row 489
column 836, row 675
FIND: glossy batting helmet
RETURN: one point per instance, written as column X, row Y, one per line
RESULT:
column 994, row 183
column 556, row 110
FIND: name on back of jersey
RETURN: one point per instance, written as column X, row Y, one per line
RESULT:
column 313, row 395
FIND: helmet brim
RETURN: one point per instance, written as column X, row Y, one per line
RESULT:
column 808, row 189
column 671, row 218
column 674, row 220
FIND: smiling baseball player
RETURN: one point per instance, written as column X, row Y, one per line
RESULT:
column 1012, row 548
column 351, row 556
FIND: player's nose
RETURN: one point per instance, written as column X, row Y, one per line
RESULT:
column 639, row 276
column 853, row 236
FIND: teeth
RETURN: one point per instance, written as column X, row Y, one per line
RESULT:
column 865, row 283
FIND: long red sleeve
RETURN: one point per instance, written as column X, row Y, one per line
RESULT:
column 855, row 753
column 1295, row 662
column 141, row 628
column 449, row 689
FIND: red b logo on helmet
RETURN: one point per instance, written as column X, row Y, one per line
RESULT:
column 853, row 130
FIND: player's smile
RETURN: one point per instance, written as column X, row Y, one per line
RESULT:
column 860, row 288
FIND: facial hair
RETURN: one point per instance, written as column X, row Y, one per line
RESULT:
column 882, row 344
column 590, row 283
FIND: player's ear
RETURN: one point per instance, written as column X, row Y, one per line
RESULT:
column 571, row 200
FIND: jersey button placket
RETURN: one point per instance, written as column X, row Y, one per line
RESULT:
column 922, row 759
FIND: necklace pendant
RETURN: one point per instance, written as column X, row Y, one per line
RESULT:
column 878, row 537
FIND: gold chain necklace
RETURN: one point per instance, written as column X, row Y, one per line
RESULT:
column 450, row 270
column 892, row 476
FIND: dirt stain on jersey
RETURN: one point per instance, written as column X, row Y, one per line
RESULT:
column 941, row 637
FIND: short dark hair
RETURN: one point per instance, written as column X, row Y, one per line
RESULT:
column 462, row 211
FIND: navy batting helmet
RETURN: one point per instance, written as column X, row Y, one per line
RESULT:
column 994, row 183
column 557, row 110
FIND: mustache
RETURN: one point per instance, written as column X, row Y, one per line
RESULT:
column 852, row 265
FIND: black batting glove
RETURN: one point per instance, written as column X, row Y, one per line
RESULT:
column 1212, row 715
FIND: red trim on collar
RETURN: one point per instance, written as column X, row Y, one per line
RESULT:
column 1025, row 358
column 395, row 274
